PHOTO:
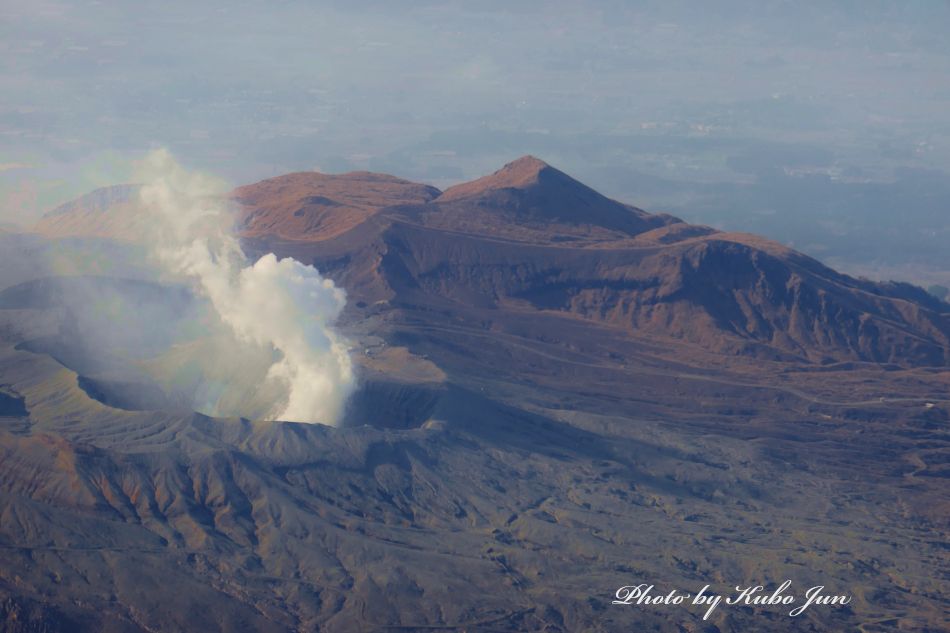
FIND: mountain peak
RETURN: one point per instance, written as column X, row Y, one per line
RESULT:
column 529, row 200
column 518, row 174
column 527, row 166
column 97, row 200
column 112, row 211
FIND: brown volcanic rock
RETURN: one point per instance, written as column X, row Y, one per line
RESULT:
column 314, row 206
column 529, row 201
column 522, row 173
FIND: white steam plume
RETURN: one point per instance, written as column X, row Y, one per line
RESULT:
column 280, row 310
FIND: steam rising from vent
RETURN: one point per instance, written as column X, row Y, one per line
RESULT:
column 274, row 352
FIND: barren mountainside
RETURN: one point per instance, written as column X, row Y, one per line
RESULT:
column 532, row 236
column 529, row 235
column 312, row 206
column 559, row 395
column 105, row 212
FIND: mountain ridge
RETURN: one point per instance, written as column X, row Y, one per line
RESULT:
column 384, row 237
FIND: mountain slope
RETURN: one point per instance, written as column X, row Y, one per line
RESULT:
column 532, row 237
column 529, row 237
column 528, row 200
column 546, row 414
column 310, row 205
column 112, row 212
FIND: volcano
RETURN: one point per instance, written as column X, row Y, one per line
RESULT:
column 561, row 395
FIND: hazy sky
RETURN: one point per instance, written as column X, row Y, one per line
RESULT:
column 825, row 125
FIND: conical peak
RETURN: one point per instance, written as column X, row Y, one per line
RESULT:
column 518, row 174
